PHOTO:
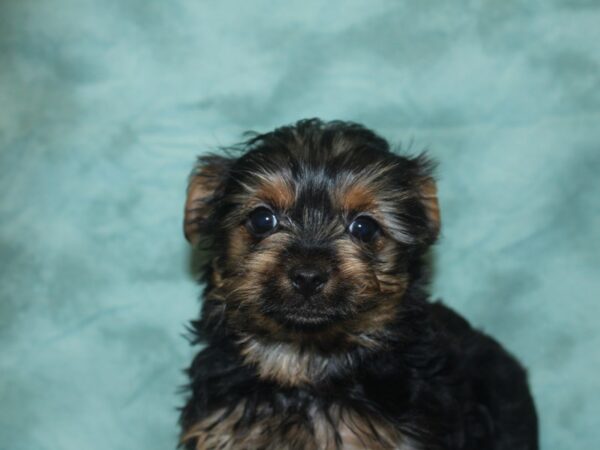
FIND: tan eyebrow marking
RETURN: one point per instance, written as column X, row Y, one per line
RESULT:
column 356, row 197
column 277, row 191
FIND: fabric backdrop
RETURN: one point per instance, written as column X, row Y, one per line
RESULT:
column 104, row 105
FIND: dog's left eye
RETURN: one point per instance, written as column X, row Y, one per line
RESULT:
column 364, row 228
column 262, row 221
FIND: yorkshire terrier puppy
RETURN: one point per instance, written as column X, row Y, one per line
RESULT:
column 316, row 324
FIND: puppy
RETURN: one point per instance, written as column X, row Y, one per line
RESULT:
column 316, row 324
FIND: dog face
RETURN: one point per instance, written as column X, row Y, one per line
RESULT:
column 312, row 233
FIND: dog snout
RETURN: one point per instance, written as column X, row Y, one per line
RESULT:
column 308, row 280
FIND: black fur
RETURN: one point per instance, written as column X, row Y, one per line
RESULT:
column 437, row 380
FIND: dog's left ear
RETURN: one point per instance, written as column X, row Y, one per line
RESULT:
column 428, row 196
column 426, row 193
column 206, row 184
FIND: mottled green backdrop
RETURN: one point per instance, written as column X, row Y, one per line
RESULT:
column 105, row 103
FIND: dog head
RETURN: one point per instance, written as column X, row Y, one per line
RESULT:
column 313, row 232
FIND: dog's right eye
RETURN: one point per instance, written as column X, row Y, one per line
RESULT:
column 262, row 221
column 364, row 228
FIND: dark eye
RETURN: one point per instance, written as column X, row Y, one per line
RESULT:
column 364, row 228
column 262, row 221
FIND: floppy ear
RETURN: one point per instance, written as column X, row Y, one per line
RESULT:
column 426, row 194
column 205, row 184
column 428, row 197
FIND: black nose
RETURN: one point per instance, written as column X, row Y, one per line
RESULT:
column 308, row 280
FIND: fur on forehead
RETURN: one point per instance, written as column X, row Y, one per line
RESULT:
column 351, row 164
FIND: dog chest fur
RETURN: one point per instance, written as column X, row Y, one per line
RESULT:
column 335, row 429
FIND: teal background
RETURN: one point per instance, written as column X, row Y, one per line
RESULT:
column 105, row 103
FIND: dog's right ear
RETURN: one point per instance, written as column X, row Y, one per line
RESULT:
column 205, row 185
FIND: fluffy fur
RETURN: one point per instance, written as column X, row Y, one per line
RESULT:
column 360, row 360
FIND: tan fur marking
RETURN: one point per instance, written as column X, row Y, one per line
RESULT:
column 352, row 267
column 215, row 431
column 362, row 433
column 284, row 362
column 357, row 197
column 428, row 194
column 250, row 273
column 238, row 244
column 201, row 188
column 390, row 282
column 277, row 192
column 221, row 431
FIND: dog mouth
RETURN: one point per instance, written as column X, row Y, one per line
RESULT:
column 308, row 319
column 305, row 318
column 301, row 313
